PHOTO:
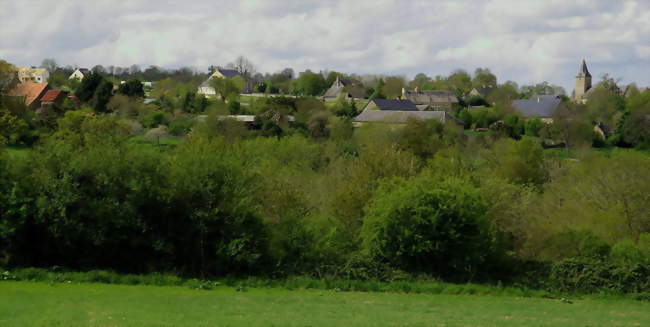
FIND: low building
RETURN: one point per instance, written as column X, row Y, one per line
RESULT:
column 33, row 74
column 431, row 99
column 206, row 88
column 394, row 117
column 541, row 106
column 79, row 73
column 30, row 92
column 52, row 97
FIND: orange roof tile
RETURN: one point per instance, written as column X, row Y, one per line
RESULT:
column 31, row 91
column 53, row 96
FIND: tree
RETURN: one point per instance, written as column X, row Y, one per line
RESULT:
column 420, row 81
column 50, row 65
column 309, row 83
column 427, row 225
column 132, row 88
column 393, row 86
column 10, row 127
column 460, row 82
column 88, row 85
column 483, row 77
column 98, row 69
column 378, row 93
column 244, row 66
column 225, row 87
column 102, row 96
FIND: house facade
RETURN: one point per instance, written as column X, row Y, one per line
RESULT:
column 206, row 88
column 79, row 73
column 32, row 74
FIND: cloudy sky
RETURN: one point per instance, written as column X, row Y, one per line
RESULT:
column 522, row 40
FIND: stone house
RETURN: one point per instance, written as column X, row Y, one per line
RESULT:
column 33, row 74
column 206, row 89
column 79, row 73
column 431, row 99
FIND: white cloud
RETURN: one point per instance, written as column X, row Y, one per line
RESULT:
column 526, row 41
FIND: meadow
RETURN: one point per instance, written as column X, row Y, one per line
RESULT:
column 84, row 304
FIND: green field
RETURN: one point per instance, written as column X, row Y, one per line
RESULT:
column 43, row 304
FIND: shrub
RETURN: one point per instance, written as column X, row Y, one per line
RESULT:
column 427, row 225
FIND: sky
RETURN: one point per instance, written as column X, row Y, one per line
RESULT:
column 527, row 41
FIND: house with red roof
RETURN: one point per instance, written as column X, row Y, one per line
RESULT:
column 32, row 93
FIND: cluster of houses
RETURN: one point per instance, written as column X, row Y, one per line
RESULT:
column 429, row 104
column 30, row 84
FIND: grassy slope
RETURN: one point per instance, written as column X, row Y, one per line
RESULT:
column 41, row 304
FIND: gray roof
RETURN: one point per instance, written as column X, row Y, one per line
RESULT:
column 430, row 97
column 229, row 73
column 542, row 106
column 401, row 117
column 84, row 70
column 338, row 86
column 583, row 71
column 389, row 104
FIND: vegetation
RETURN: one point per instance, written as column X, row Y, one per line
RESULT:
column 174, row 185
column 104, row 305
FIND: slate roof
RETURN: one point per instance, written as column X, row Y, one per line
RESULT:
column 583, row 71
column 542, row 106
column 229, row 73
column 430, row 97
column 401, row 117
column 389, row 104
column 337, row 88
column 30, row 90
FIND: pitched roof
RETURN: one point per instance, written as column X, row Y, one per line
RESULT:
column 401, row 117
column 583, row 71
column 84, row 70
column 542, row 106
column 30, row 90
column 337, row 87
column 53, row 95
column 430, row 97
column 483, row 91
column 228, row 73
column 388, row 104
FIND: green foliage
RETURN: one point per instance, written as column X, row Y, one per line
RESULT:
column 533, row 127
column 520, row 162
column 226, row 88
column 88, row 86
column 309, row 83
column 102, row 96
column 132, row 88
column 589, row 276
column 181, row 126
column 427, row 224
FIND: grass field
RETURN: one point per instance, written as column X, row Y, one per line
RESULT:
column 43, row 304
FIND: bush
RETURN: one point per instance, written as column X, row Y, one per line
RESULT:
column 427, row 225
column 586, row 275
column 181, row 126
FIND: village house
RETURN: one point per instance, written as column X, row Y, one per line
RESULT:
column 206, row 88
column 396, row 112
column 79, row 73
column 32, row 74
column 344, row 88
column 30, row 92
column 431, row 99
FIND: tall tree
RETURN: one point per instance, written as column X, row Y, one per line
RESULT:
column 483, row 77
column 102, row 96
column 50, row 65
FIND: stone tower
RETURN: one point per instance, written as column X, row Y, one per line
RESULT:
column 583, row 83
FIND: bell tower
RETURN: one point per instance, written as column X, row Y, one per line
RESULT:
column 583, row 83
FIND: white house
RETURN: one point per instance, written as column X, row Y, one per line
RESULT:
column 79, row 73
column 33, row 74
column 206, row 89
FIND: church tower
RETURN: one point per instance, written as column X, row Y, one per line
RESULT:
column 583, row 83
